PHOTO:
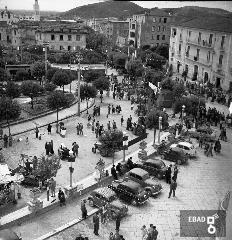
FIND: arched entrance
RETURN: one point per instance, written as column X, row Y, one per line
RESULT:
column 206, row 77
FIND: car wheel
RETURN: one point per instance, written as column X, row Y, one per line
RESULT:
column 134, row 202
column 178, row 162
column 91, row 203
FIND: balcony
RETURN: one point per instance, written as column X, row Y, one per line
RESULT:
column 199, row 60
column 219, row 66
column 203, row 44
column 181, row 40
column 222, row 49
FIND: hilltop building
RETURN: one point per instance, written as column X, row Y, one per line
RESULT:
column 8, row 17
column 203, row 48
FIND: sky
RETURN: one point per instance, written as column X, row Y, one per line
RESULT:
column 61, row 5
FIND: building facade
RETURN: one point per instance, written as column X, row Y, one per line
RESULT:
column 8, row 17
column 150, row 28
column 203, row 48
column 62, row 37
column 5, row 34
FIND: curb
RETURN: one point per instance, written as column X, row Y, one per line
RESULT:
column 69, row 116
column 38, row 116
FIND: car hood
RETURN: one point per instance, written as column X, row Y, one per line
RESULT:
column 152, row 182
column 117, row 204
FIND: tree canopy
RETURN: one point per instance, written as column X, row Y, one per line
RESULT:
column 155, row 61
column 154, row 76
column 102, row 83
column 13, row 90
column 56, row 100
column 87, row 92
column 135, row 68
column 153, row 119
column 21, row 75
column 3, row 75
column 92, row 75
column 50, row 73
column 38, row 70
column 9, row 109
column 61, row 78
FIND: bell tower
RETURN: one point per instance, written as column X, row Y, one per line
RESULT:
column 36, row 11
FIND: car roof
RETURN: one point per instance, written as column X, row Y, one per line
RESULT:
column 105, row 191
column 185, row 144
column 138, row 171
column 131, row 184
column 157, row 161
column 176, row 149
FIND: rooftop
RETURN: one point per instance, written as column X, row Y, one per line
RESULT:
column 218, row 23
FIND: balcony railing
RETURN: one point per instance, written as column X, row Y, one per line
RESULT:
column 222, row 49
column 202, row 43
column 198, row 60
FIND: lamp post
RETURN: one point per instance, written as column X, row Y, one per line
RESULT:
column 79, row 58
column 182, row 115
column 160, row 127
column 106, row 62
column 45, row 49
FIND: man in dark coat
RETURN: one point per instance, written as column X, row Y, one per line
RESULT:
column 83, row 209
column 114, row 173
column 96, row 224
column 118, row 221
column 49, row 128
column 168, row 174
column 173, row 187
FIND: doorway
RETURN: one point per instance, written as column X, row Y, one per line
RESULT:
column 206, row 77
column 218, row 82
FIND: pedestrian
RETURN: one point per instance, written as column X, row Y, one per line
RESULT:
column 119, row 169
column 77, row 127
column 155, row 233
column 108, row 126
column 49, row 129
column 114, row 125
column 173, row 187
column 210, row 150
column 51, row 147
column 111, row 237
column 175, row 173
column 53, row 187
column 109, row 108
column 5, row 140
column 61, row 197
column 122, row 120
column 81, row 129
column 48, row 189
column 132, row 106
column 118, row 222
column 36, row 132
column 1, row 132
column 114, row 173
column 96, row 224
column 47, row 148
column 75, row 149
column 83, row 209
column 168, row 174
column 144, row 232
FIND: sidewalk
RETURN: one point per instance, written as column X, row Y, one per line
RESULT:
column 43, row 224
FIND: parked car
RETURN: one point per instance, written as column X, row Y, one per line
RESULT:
column 187, row 147
column 105, row 196
column 130, row 192
column 142, row 177
column 7, row 234
column 155, row 167
column 176, row 155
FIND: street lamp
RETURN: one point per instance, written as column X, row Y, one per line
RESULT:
column 79, row 59
column 45, row 49
column 160, row 127
column 182, row 115
column 106, row 61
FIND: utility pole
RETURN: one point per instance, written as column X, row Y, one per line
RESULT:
column 45, row 49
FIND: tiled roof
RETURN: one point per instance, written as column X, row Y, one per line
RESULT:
column 158, row 12
column 214, row 23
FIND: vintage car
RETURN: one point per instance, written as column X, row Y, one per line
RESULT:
column 143, row 178
column 130, row 191
column 106, row 197
column 155, row 167
column 176, row 155
column 187, row 147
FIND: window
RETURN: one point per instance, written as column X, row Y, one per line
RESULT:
column 69, row 37
column 208, row 56
column 78, row 38
column 152, row 37
column 179, row 47
column 154, row 19
column 52, row 37
column 153, row 28
column 158, row 36
column 164, row 28
column 163, row 37
column 173, row 32
column 160, row 19
column 165, row 20
column 190, row 33
column 157, row 44
column 198, row 53
column 14, row 32
column 132, row 34
column 210, row 39
column 133, row 26
column 222, row 41
column 61, row 47
column 220, row 59
column 61, row 37
column 69, row 48
column 188, row 49
column 158, row 28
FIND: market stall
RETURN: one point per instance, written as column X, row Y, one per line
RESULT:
column 9, row 185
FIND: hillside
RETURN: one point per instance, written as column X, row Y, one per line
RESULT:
column 31, row 12
column 118, row 9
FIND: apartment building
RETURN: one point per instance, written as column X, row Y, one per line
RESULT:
column 62, row 36
column 8, row 17
column 203, row 48
column 5, row 34
column 150, row 28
